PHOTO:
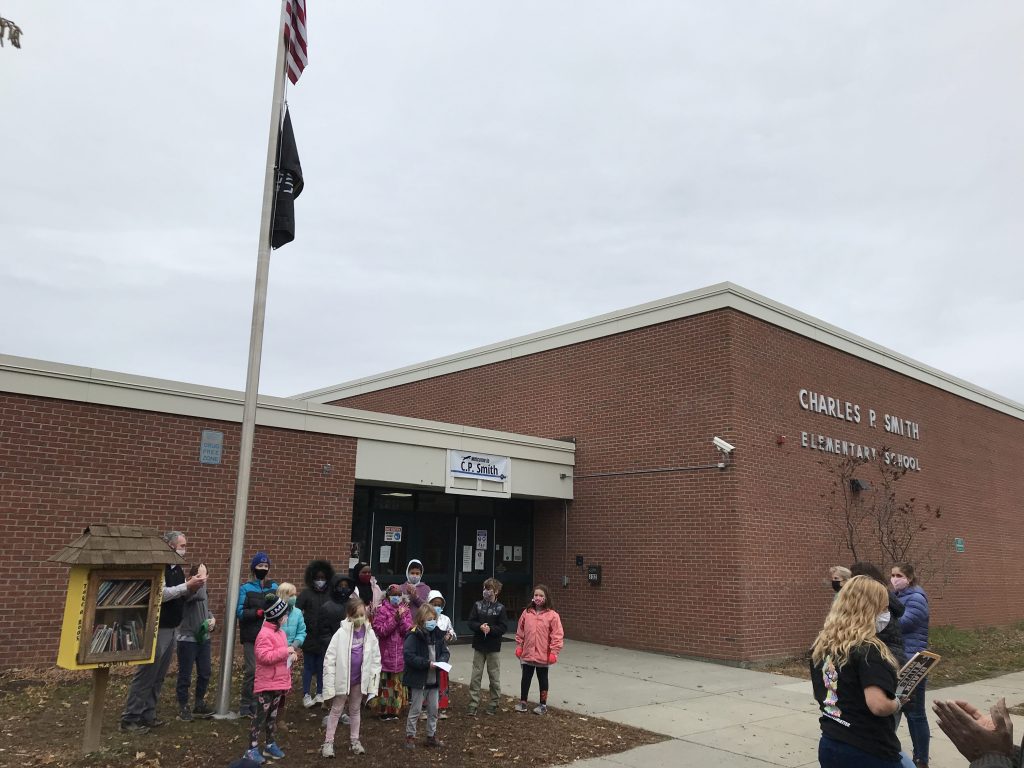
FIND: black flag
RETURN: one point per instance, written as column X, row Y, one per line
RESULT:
column 289, row 185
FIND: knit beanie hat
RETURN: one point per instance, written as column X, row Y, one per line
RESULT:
column 276, row 608
column 260, row 558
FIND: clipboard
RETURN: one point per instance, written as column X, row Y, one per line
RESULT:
column 914, row 671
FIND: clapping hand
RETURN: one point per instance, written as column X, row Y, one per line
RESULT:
column 973, row 733
column 485, row 628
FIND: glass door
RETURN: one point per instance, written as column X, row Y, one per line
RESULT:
column 474, row 554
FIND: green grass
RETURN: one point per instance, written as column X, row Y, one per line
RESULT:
column 967, row 655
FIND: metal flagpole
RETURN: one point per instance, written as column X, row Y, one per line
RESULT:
column 252, row 381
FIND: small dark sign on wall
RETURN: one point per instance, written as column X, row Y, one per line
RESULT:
column 211, row 446
column 594, row 574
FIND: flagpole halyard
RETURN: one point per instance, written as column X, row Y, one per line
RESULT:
column 252, row 380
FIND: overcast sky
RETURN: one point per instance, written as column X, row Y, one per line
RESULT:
column 477, row 171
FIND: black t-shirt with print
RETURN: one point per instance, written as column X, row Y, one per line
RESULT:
column 845, row 715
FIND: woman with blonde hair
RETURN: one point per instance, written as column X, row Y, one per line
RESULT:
column 854, row 679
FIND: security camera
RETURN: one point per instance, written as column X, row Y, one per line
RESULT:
column 723, row 446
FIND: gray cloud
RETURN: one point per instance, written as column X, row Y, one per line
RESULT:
column 479, row 171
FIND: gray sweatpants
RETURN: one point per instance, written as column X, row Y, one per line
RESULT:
column 247, row 706
column 140, row 706
column 416, row 697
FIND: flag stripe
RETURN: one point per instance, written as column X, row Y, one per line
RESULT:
column 295, row 38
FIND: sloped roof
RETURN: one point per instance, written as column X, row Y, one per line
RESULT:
column 118, row 545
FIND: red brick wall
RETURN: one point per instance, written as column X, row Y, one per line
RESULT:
column 970, row 457
column 64, row 465
column 650, row 398
column 730, row 565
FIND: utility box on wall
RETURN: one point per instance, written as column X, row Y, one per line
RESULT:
column 594, row 575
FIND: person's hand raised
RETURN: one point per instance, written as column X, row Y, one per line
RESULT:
column 973, row 733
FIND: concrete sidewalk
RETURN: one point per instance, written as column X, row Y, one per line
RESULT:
column 716, row 716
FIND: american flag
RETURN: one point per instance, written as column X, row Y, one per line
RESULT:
column 295, row 38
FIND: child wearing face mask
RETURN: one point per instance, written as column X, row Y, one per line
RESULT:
column 488, row 622
column 273, row 680
column 366, row 585
column 539, row 640
column 424, row 648
column 444, row 624
column 311, row 602
column 252, row 599
column 392, row 623
column 414, row 589
column 294, row 625
column 352, row 669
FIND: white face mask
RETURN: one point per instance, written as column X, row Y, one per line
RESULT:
column 180, row 551
column 882, row 621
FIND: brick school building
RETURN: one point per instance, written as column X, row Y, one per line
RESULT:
column 581, row 457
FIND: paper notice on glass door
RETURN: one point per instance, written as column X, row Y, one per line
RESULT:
column 467, row 559
column 385, row 554
column 507, row 554
column 479, row 565
column 518, row 556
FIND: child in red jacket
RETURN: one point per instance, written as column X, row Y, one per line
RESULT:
column 539, row 640
column 274, row 659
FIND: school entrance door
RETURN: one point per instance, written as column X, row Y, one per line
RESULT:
column 461, row 541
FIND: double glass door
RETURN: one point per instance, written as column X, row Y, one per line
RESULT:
column 461, row 541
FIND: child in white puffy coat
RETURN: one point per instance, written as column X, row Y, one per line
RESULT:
column 436, row 599
column 352, row 667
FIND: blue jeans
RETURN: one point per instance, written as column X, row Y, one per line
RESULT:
column 312, row 666
column 190, row 654
column 917, row 723
column 836, row 754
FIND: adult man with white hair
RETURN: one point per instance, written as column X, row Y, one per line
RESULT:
column 140, row 708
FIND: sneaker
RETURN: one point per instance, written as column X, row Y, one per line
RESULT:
column 443, row 715
column 521, row 706
column 358, row 749
column 254, row 755
column 273, row 751
column 345, row 719
column 201, row 710
column 433, row 741
column 185, row 714
column 491, row 711
column 540, row 709
column 471, row 711
column 388, row 718
column 156, row 722
column 131, row 726
column 318, row 699
column 423, row 715
column 410, row 742
column 327, row 750
column 307, row 701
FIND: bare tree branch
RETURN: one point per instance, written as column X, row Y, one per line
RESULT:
column 876, row 524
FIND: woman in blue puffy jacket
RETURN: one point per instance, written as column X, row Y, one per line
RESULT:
column 914, row 625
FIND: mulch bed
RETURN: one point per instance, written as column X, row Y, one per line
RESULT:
column 44, row 714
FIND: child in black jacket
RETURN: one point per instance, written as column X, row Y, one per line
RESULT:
column 424, row 649
column 488, row 621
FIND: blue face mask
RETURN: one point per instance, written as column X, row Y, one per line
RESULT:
column 395, row 599
column 438, row 609
column 430, row 625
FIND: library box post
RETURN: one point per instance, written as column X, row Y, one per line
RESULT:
column 112, row 606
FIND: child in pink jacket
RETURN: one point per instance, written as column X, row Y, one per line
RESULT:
column 539, row 640
column 391, row 623
column 274, row 659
